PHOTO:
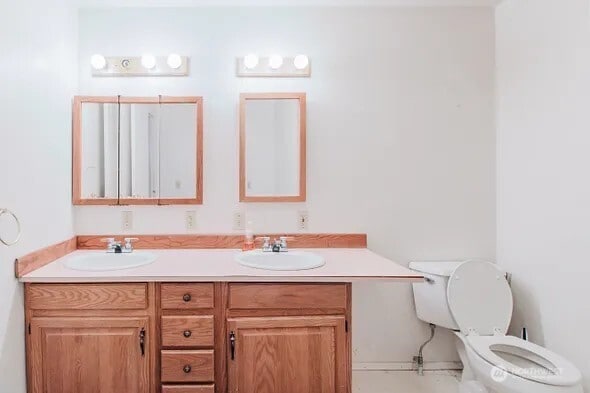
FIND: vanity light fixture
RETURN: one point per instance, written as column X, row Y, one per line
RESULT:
column 174, row 61
column 275, row 62
column 146, row 65
column 273, row 66
column 251, row 61
column 98, row 62
column 301, row 62
column 148, row 61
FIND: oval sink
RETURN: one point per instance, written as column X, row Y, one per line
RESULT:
column 109, row 261
column 291, row 260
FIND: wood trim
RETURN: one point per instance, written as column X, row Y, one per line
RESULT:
column 181, row 99
column 77, row 149
column 139, row 100
column 301, row 197
column 33, row 261
column 93, row 242
column 198, row 199
column 138, row 201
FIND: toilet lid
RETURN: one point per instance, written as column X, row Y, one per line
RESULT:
column 480, row 299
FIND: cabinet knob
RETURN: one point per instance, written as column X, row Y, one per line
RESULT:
column 187, row 369
column 187, row 297
column 187, row 333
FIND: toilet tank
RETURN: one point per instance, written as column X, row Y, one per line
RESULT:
column 430, row 296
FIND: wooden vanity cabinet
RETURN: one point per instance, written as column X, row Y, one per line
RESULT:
column 188, row 338
column 90, row 338
column 289, row 338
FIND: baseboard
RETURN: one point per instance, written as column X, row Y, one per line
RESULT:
column 404, row 366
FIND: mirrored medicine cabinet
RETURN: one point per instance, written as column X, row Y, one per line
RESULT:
column 272, row 147
column 137, row 150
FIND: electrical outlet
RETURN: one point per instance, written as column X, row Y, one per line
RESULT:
column 238, row 221
column 127, row 221
column 191, row 220
column 302, row 220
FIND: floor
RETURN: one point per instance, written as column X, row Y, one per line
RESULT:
column 405, row 382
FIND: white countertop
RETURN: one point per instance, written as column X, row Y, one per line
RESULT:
column 342, row 265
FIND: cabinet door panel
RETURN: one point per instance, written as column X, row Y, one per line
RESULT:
column 88, row 355
column 288, row 355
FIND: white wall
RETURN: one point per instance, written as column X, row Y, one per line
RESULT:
column 400, row 133
column 37, row 79
column 543, row 55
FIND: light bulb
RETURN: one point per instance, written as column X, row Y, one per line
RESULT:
column 98, row 62
column 301, row 62
column 275, row 62
column 174, row 61
column 251, row 61
column 148, row 61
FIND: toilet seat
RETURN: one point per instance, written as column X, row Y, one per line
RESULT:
column 566, row 374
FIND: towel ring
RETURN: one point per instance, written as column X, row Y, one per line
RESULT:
column 6, row 211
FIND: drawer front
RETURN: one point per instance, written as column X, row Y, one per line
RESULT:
column 87, row 296
column 187, row 331
column 287, row 296
column 188, row 389
column 187, row 366
column 186, row 296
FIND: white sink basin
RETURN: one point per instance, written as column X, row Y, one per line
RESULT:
column 109, row 261
column 290, row 260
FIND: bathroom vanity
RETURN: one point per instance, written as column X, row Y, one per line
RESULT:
column 189, row 337
column 184, row 325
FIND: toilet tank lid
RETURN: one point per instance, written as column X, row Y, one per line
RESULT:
column 439, row 268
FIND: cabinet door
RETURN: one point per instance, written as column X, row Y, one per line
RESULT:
column 287, row 355
column 89, row 355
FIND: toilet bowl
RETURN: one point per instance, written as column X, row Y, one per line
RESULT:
column 474, row 299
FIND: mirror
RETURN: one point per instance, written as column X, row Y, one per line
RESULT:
column 97, row 151
column 137, row 150
column 272, row 147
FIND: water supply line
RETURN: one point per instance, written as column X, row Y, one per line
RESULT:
column 419, row 360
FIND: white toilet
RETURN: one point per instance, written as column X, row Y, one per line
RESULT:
column 474, row 299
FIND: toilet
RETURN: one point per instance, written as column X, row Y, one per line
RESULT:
column 473, row 298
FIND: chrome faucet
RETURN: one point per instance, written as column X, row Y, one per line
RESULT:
column 113, row 246
column 278, row 245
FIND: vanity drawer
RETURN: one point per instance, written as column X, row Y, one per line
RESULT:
column 187, row 296
column 87, row 296
column 187, row 366
column 287, row 296
column 188, row 389
column 187, row 331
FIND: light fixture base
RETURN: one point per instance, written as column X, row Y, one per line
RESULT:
column 132, row 66
column 264, row 70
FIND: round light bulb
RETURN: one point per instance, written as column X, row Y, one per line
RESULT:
column 98, row 62
column 174, row 61
column 301, row 62
column 275, row 62
column 148, row 61
column 250, row 61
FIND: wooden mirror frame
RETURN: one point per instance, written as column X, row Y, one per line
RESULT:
column 77, row 150
column 301, row 197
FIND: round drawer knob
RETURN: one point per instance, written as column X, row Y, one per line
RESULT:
column 187, row 333
column 187, row 297
column 187, row 369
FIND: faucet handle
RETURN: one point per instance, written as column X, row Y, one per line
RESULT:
column 129, row 242
column 108, row 240
column 265, row 242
